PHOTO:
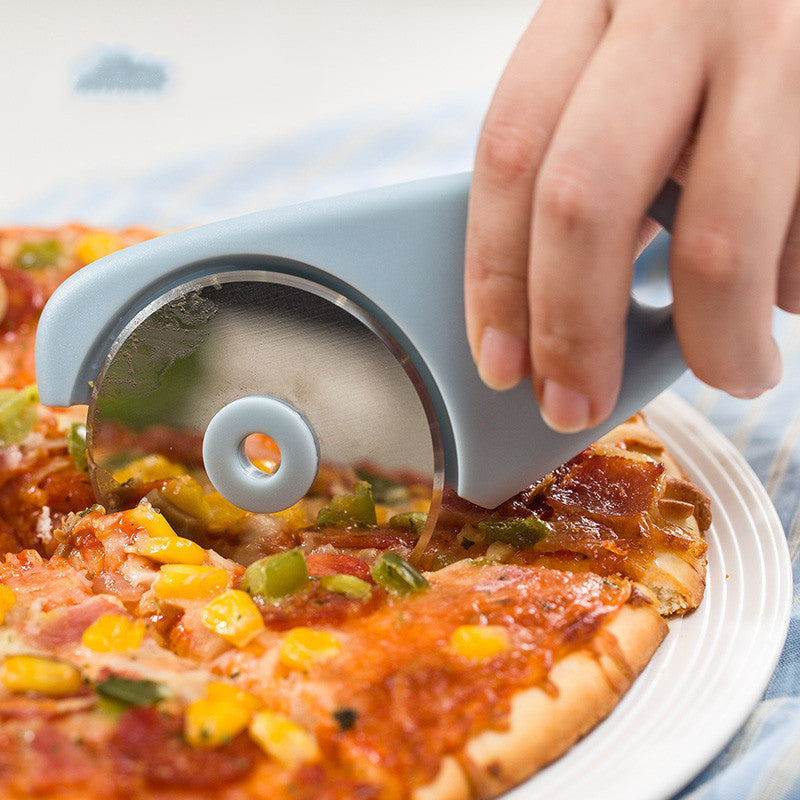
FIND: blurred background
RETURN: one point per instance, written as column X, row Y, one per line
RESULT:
column 171, row 113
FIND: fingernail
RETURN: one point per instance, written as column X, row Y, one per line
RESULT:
column 563, row 409
column 503, row 359
column 772, row 380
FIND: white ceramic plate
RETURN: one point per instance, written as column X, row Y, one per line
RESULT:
column 716, row 662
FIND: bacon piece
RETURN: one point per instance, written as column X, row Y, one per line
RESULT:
column 54, row 583
column 66, row 625
column 608, row 486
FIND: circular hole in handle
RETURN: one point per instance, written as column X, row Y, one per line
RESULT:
column 262, row 452
column 240, row 478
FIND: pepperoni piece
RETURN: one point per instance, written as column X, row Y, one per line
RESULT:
column 150, row 745
column 320, row 564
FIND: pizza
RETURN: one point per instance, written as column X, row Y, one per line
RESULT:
column 177, row 647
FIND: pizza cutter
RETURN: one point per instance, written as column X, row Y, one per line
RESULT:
column 336, row 329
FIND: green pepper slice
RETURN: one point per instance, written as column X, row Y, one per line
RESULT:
column 516, row 531
column 34, row 255
column 396, row 575
column 357, row 508
column 76, row 445
column 349, row 585
column 131, row 691
column 409, row 520
column 384, row 490
column 18, row 413
column 276, row 576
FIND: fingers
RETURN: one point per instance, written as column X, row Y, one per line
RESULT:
column 591, row 115
column 616, row 141
column 732, row 224
column 526, row 106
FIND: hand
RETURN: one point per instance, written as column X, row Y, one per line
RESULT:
column 600, row 102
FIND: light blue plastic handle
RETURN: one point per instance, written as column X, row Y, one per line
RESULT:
column 398, row 252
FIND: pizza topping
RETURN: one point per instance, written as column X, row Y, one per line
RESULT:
column 276, row 576
column 18, row 413
column 220, row 716
column 41, row 675
column 7, row 600
column 150, row 745
column 38, row 254
column 345, row 718
column 479, row 641
column 76, row 445
column 24, row 301
column 170, row 550
column 131, row 691
column 189, row 581
column 96, row 244
column 233, row 616
column 52, row 584
column 329, row 563
column 515, row 531
column 348, row 585
column 113, row 633
column 409, row 520
column 302, row 647
column 283, row 739
column 608, row 486
column 396, row 575
column 344, row 510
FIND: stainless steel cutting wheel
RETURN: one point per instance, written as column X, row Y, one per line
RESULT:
column 226, row 357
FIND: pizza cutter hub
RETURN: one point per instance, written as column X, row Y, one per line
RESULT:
column 233, row 474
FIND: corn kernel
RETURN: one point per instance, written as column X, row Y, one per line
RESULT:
column 382, row 515
column 211, row 723
column 113, row 633
column 171, row 550
column 421, row 505
column 284, row 740
column 225, row 692
column 302, row 647
column 220, row 716
column 479, row 641
column 221, row 514
column 295, row 517
column 189, row 581
column 185, row 493
column 154, row 467
column 7, row 600
column 146, row 517
column 40, row 675
column 234, row 616
column 96, row 244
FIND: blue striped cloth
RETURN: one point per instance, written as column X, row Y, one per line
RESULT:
column 763, row 758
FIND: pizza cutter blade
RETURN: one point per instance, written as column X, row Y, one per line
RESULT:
column 245, row 352
column 336, row 329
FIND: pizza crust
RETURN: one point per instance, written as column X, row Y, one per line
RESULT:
column 584, row 687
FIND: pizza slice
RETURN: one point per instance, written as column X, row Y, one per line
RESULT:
column 178, row 647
